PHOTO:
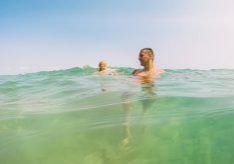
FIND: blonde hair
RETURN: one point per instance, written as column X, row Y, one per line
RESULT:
column 102, row 62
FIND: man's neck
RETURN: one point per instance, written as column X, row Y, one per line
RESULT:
column 149, row 67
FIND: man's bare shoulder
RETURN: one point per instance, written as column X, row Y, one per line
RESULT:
column 136, row 71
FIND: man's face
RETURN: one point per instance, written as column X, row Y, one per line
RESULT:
column 144, row 57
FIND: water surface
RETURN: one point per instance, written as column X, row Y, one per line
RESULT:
column 76, row 116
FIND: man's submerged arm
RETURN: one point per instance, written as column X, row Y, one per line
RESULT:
column 162, row 71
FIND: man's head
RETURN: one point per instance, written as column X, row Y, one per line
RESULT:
column 146, row 55
column 102, row 65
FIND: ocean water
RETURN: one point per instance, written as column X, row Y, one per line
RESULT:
column 75, row 116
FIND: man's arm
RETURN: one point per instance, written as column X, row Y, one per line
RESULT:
column 135, row 72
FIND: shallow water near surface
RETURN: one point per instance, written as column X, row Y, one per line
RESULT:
column 75, row 116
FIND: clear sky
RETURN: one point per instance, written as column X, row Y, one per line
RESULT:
column 57, row 34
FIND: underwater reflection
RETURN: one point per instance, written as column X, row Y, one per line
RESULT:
column 148, row 87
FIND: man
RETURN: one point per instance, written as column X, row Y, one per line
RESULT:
column 146, row 76
column 146, row 58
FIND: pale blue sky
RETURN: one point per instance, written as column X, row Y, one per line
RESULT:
column 58, row 34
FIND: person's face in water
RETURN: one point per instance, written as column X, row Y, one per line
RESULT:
column 102, row 66
column 144, row 57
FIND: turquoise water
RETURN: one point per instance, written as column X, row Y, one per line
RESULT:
column 76, row 117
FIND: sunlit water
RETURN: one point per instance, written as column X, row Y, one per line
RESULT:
column 77, row 117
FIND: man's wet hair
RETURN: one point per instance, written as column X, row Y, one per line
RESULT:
column 149, row 51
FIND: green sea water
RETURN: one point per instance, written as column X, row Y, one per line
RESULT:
column 75, row 116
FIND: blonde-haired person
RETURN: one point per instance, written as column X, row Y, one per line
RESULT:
column 104, row 70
